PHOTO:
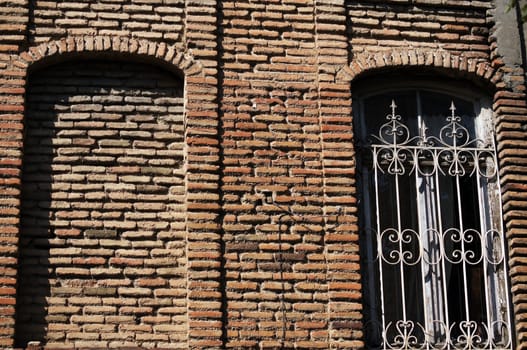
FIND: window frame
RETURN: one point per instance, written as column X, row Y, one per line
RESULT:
column 482, row 106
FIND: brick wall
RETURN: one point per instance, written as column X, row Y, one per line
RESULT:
column 228, row 192
column 461, row 28
column 154, row 20
column 102, row 235
column 286, row 135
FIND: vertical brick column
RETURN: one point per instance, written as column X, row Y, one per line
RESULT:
column 507, row 45
column 338, row 157
column 203, row 219
column 510, row 110
column 14, row 14
column 11, row 116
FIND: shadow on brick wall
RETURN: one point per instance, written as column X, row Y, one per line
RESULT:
column 36, row 234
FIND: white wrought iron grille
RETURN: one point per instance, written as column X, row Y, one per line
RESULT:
column 433, row 245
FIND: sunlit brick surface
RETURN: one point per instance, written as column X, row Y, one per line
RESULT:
column 230, row 196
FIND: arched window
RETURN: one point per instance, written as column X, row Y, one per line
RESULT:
column 432, row 241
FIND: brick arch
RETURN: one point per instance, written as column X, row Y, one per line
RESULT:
column 199, row 85
column 438, row 60
column 109, row 46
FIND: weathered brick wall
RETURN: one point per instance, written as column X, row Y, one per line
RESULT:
column 458, row 27
column 154, row 20
column 13, row 23
column 266, row 115
column 102, row 240
column 286, row 136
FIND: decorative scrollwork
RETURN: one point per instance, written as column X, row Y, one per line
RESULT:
column 407, row 335
column 394, row 132
column 400, row 247
column 469, row 246
column 452, row 152
column 465, row 246
column 454, row 134
column 467, row 335
column 473, row 336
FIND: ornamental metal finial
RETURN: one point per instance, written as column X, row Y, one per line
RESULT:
column 454, row 118
column 393, row 106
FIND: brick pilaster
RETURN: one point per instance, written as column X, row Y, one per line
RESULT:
column 13, row 29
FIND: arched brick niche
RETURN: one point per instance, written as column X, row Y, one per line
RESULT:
column 199, row 130
column 102, row 248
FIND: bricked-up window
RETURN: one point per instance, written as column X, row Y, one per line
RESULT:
column 433, row 250
column 102, row 249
